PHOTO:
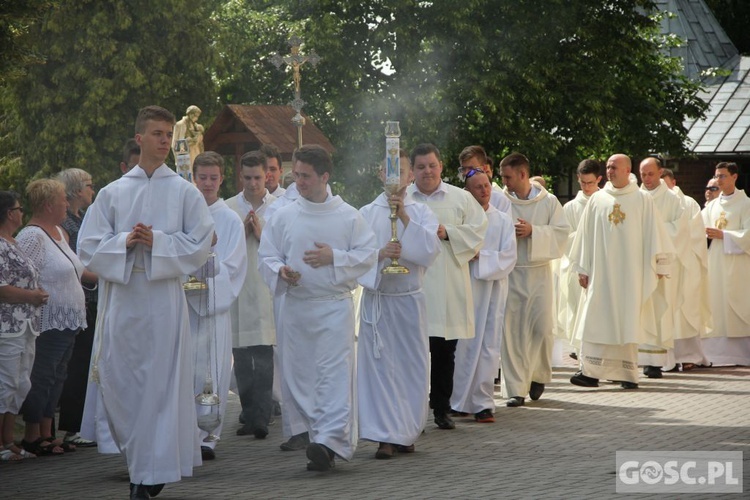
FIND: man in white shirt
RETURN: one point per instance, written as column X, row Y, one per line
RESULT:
column 253, row 328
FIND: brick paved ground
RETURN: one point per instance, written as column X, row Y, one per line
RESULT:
column 562, row 446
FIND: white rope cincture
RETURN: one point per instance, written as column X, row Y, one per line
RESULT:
column 376, row 312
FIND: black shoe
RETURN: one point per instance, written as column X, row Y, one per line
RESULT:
column 320, row 456
column 260, row 433
column 296, row 442
column 628, row 385
column 138, row 492
column 652, row 371
column 573, row 355
column 155, row 489
column 245, row 430
column 582, row 380
column 536, row 391
column 515, row 401
column 484, row 417
column 207, row 453
column 443, row 421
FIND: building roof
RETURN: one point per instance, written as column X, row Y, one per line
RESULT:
column 245, row 127
column 706, row 43
column 726, row 128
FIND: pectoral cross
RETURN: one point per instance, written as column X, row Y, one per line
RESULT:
column 296, row 60
column 722, row 222
column 616, row 216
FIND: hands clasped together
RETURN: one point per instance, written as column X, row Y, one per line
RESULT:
column 321, row 256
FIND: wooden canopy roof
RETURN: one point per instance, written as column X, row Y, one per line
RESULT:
column 241, row 128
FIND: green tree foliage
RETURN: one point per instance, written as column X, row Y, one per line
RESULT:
column 558, row 80
column 103, row 60
column 15, row 18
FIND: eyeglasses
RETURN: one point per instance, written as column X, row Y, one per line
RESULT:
column 712, row 188
column 20, row 209
column 720, row 176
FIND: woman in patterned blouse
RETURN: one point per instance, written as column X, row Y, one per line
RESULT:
column 20, row 299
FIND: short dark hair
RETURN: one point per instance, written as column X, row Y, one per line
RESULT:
column 208, row 159
column 589, row 167
column 516, row 161
column 667, row 172
column 316, row 156
column 155, row 113
column 7, row 200
column 271, row 151
column 477, row 152
column 731, row 167
column 129, row 149
column 422, row 150
column 254, row 159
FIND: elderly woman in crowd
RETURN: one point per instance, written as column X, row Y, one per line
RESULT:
column 63, row 316
column 20, row 299
column 79, row 190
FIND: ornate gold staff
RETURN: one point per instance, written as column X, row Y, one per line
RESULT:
column 392, row 186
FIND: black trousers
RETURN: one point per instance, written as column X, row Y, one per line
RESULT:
column 253, row 369
column 442, row 356
column 73, row 394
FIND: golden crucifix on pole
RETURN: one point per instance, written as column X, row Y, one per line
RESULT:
column 295, row 60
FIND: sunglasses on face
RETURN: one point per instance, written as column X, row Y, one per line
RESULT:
column 712, row 188
column 471, row 173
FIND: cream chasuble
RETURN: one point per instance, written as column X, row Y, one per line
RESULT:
column 729, row 274
column 671, row 211
column 450, row 308
column 569, row 289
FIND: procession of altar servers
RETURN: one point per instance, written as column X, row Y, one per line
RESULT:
column 392, row 376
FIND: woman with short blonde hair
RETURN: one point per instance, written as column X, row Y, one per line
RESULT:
column 46, row 245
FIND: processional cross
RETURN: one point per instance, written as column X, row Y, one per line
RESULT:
column 295, row 60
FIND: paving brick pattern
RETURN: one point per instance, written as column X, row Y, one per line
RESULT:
column 562, row 446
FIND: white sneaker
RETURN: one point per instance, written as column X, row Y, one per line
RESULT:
column 77, row 440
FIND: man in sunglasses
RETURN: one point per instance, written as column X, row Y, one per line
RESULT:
column 712, row 190
column 475, row 158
